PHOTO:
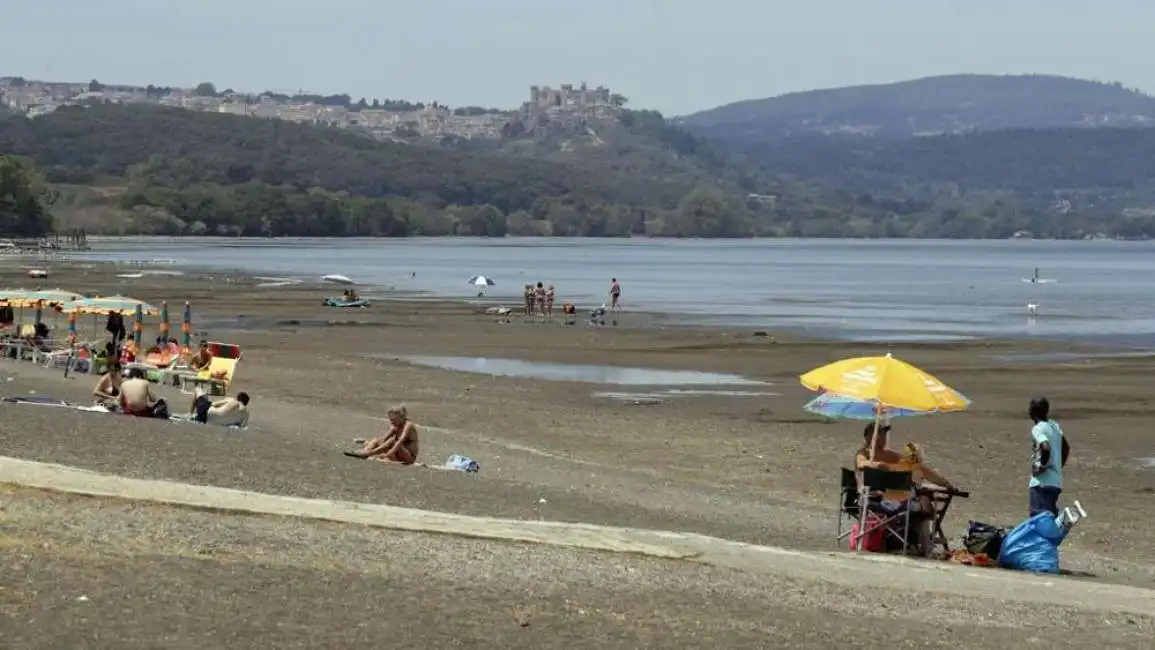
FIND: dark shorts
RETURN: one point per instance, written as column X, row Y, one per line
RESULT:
column 1044, row 498
column 201, row 409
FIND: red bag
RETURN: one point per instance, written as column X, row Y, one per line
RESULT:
column 872, row 542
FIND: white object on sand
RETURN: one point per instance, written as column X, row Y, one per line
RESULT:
column 130, row 276
column 337, row 279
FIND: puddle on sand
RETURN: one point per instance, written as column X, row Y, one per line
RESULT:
column 580, row 373
column 658, row 397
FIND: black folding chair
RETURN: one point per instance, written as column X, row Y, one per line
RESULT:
column 866, row 506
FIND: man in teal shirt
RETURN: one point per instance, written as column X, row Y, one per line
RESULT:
column 1050, row 457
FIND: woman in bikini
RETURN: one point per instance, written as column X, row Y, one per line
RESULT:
column 399, row 445
column 528, row 301
column 539, row 300
column 549, row 296
column 615, row 294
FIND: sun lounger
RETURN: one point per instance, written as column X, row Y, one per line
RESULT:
column 215, row 379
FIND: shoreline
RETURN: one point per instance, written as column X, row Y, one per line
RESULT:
column 1093, row 345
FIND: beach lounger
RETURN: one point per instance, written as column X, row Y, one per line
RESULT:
column 219, row 375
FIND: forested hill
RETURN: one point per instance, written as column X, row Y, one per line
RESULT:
column 174, row 171
column 933, row 105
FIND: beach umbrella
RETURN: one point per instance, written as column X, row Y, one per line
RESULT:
column 137, row 327
column 164, row 321
column 55, row 296
column 186, row 329
column 481, row 281
column 111, row 304
column 71, row 328
column 887, row 382
column 834, row 406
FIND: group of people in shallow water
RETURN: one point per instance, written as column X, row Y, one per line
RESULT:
column 539, row 301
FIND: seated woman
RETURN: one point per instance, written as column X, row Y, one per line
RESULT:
column 889, row 460
column 399, row 445
column 107, row 389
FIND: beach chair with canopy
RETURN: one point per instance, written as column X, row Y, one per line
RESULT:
column 219, row 375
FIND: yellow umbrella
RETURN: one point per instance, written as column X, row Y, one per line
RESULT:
column 886, row 381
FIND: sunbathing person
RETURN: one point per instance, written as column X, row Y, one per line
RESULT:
column 107, row 389
column 889, row 460
column 202, row 358
column 136, row 396
column 399, row 445
column 224, row 412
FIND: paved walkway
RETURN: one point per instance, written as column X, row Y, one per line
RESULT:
column 853, row 571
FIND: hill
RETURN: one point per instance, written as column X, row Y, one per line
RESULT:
column 184, row 171
column 933, row 105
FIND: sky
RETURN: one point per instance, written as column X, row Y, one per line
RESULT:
column 676, row 56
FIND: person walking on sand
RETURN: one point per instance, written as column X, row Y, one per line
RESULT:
column 615, row 295
column 399, row 445
column 1049, row 458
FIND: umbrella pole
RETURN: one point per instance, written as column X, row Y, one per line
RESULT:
column 862, row 510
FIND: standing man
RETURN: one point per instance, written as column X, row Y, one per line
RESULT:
column 1048, row 460
column 615, row 294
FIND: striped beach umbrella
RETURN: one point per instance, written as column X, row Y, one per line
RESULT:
column 71, row 328
column 186, row 329
column 137, row 327
column 164, row 322
column 110, row 304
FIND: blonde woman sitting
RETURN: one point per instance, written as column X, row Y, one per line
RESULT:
column 399, row 445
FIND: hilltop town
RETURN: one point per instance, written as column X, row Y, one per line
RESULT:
column 548, row 110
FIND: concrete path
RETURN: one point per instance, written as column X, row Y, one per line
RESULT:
column 842, row 568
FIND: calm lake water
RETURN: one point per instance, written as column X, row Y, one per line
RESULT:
column 869, row 290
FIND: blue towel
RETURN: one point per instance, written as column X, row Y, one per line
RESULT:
column 462, row 463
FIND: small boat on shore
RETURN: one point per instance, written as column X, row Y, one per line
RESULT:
column 345, row 303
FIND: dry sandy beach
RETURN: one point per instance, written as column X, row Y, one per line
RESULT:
column 754, row 469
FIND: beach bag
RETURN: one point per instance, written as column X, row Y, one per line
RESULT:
column 463, row 464
column 1034, row 545
column 984, row 539
column 874, row 541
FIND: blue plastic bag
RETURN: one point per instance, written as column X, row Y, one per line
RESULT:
column 463, row 463
column 1034, row 545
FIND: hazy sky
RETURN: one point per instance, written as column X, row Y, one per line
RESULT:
column 677, row 56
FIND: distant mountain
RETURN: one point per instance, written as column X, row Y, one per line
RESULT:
column 931, row 106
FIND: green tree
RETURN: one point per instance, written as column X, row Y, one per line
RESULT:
column 24, row 201
column 205, row 89
column 95, row 86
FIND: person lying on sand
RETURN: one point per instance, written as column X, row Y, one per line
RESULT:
column 202, row 358
column 889, row 460
column 136, row 396
column 107, row 389
column 224, row 412
column 399, row 445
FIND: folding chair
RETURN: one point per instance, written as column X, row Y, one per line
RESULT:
column 867, row 508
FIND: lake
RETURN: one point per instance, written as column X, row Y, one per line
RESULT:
column 861, row 289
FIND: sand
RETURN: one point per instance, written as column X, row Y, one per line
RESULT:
column 754, row 469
